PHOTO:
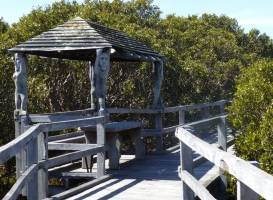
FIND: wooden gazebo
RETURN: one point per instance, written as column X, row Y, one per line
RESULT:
column 78, row 39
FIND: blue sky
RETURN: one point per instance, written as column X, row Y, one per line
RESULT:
column 249, row 13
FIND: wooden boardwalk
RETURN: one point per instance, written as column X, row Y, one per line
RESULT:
column 154, row 177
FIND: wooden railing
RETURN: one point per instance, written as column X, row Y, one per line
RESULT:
column 158, row 115
column 251, row 180
column 33, row 179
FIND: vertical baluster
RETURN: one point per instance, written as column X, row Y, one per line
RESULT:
column 244, row 192
column 43, row 172
column 186, row 163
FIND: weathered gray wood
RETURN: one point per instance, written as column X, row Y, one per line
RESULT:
column 16, row 145
column 150, row 132
column 170, row 129
column 181, row 117
column 196, row 187
column 133, row 111
column 139, row 144
column 159, row 139
column 60, row 125
column 114, row 151
column 20, row 80
column 65, row 136
column 244, row 192
column 75, row 139
column 222, row 133
column 58, row 160
column 69, row 146
column 101, row 154
column 20, row 183
column 43, row 171
column 256, row 179
column 205, row 112
column 112, row 127
column 61, row 116
column 210, row 176
column 32, row 158
column 186, row 163
column 80, row 188
column 158, row 78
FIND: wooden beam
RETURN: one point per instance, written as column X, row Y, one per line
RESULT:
column 69, row 146
column 256, row 179
column 196, row 187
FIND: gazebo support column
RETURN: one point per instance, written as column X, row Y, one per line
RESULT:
column 23, row 158
column 157, row 102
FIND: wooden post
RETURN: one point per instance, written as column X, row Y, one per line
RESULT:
column 222, row 142
column 159, row 127
column 92, row 84
column 114, row 150
column 21, row 100
column 205, row 113
column 222, row 134
column 23, row 156
column 244, row 192
column 139, row 144
column 222, row 108
column 43, row 172
column 158, row 78
column 186, row 163
column 181, row 117
column 101, row 155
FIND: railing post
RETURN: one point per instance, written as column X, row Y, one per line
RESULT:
column 205, row 112
column 23, row 157
column 159, row 139
column 186, row 163
column 222, row 142
column 181, row 116
column 222, row 108
column 244, row 192
column 101, row 141
column 43, row 172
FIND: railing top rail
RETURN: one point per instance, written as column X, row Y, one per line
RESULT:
column 256, row 179
column 15, row 146
column 164, row 110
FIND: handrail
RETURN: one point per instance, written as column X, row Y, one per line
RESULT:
column 15, row 146
column 253, row 177
column 37, row 160
column 166, row 109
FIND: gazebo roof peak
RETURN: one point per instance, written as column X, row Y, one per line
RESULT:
column 77, row 39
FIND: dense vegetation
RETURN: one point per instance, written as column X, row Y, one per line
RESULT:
column 204, row 56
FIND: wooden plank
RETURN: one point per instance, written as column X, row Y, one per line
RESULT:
column 133, row 111
column 244, row 192
column 116, row 126
column 170, row 129
column 57, row 116
column 80, row 188
column 150, row 132
column 196, row 187
column 42, row 153
column 256, row 179
column 159, row 139
column 65, row 136
column 60, row 125
column 186, row 163
column 100, row 155
column 18, row 144
column 20, row 183
column 210, row 176
column 75, row 139
column 69, row 146
column 58, row 160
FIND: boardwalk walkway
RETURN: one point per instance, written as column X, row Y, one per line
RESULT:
column 154, row 177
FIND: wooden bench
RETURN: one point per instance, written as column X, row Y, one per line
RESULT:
column 113, row 132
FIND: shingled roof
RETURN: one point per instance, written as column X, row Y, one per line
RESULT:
column 77, row 39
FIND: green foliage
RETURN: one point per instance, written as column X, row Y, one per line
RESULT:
column 251, row 113
column 204, row 55
column 3, row 26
